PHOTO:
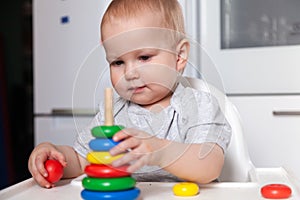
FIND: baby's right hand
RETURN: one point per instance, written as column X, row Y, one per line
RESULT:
column 38, row 157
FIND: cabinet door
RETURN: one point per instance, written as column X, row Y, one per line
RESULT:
column 272, row 130
column 66, row 36
column 259, row 23
column 256, row 67
column 58, row 130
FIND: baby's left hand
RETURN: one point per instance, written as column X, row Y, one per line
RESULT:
column 138, row 146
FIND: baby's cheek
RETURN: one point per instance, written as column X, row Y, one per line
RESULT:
column 163, row 75
column 120, row 85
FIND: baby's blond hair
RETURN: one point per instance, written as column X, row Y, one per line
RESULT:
column 169, row 11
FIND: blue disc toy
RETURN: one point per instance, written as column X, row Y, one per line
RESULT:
column 131, row 194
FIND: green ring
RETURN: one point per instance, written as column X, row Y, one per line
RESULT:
column 106, row 131
column 108, row 184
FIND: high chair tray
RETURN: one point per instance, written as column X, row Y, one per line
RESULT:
column 70, row 189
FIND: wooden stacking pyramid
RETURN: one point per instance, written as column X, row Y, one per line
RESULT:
column 104, row 181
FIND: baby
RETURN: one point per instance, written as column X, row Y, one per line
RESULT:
column 168, row 125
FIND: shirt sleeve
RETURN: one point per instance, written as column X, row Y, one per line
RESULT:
column 81, row 144
column 206, row 121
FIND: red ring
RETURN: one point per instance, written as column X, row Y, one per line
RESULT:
column 105, row 171
column 276, row 191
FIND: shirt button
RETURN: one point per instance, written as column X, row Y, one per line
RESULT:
column 184, row 120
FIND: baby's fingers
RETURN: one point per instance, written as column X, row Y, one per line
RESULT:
column 59, row 157
column 124, row 160
column 136, row 161
column 121, row 135
column 39, row 174
column 41, row 180
column 40, row 167
column 138, row 164
column 125, row 146
column 135, row 155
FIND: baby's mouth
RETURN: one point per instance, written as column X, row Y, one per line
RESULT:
column 138, row 89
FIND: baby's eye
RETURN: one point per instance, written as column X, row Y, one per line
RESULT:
column 117, row 63
column 144, row 58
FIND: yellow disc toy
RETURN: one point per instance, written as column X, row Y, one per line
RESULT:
column 185, row 189
column 101, row 157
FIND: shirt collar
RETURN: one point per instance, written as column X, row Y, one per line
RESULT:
column 175, row 103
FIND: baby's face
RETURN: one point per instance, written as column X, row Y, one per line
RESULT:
column 143, row 60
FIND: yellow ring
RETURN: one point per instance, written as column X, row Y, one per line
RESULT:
column 185, row 189
column 101, row 157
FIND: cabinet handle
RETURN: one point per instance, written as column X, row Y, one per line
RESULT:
column 72, row 112
column 68, row 113
column 286, row 112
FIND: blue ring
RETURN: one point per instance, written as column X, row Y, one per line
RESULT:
column 125, row 194
column 102, row 144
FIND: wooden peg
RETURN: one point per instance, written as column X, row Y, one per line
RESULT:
column 109, row 118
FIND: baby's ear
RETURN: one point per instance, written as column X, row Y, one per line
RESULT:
column 182, row 49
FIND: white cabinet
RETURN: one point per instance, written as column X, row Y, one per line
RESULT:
column 272, row 129
column 59, row 130
column 66, row 34
column 252, row 69
column 70, row 69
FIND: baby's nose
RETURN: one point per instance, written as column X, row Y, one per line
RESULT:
column 131, row 72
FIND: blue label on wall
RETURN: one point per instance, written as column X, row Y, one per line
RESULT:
column 64, row 19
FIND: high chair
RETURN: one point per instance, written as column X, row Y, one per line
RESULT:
column 238, row 166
